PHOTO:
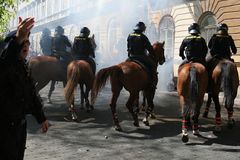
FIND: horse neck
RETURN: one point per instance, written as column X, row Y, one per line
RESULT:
column 154, row 60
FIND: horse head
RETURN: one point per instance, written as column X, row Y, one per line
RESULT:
column 158, row 48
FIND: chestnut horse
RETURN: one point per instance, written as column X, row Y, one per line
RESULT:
column 78, row 72
column 44, row 69
column 191, row 86
column 133, row 78
column 224, row 77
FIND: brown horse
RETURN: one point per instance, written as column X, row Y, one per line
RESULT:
column 133, row 78
column 78, row 72
column 191, row 86
column 224, row 77
column 44, row 69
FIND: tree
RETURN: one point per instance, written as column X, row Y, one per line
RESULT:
column 8, row 9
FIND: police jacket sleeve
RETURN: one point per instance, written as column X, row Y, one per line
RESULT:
column 148, row 45
column 182, row 48
column 128, row 44
column 232, row 44
column 91, row 47
column 67, row 42
column 12, row 51
column 74, row 48
column 36, row 108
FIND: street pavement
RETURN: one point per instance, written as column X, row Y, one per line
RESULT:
column 94, row 138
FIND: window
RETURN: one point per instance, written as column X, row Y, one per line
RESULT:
column 208, row 25
column 166, row 33
column 112, row 36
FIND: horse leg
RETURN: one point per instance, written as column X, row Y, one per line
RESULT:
column 86, row 95
column 82, row 96
column 149, row 111
column 195, row 119
column 229, row 107
column 136, row 105
column 115, row 95
column 144, row 102
column 52, row 88
column 133, row 97
column 185, row 119
column 218, row 113
column 209, row 100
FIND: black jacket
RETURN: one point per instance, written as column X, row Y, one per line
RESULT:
column 46, row 45
column 194, row 47
column 220, row 45
column 138, row 43
column 17, row 92
column 60, row 44
column 82, row 47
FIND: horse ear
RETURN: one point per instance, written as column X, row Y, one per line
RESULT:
column 163, row 43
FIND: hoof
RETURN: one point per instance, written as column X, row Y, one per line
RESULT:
column 145, row 122
column 196, row 132
column 185, row 138
column 152, row 116
column 49, row 101
column 118, row 128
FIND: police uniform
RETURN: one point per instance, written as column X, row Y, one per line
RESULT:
column 46, row 45
column 195, row 49
column 84, row 50
column 137, row 44
column 220, row 45
column 17, row 98
column 59, row 47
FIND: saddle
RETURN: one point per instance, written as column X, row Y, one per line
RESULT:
column 146, row 66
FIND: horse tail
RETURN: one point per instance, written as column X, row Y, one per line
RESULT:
column 193, row 85
column 226, row 83
column 72, row 82
column 101, row 79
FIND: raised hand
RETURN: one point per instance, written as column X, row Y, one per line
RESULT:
column 24, row 28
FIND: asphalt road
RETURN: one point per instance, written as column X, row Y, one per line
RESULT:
column 94, row 138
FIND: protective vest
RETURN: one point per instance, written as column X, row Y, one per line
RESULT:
column 82, row 46
column 195, row 47
column 220, row 45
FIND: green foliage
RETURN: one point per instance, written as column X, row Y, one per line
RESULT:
column 8, row 9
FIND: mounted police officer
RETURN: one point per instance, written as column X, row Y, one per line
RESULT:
column 137, row 46
column 60, row 44
column 194, row 46
column 17, row 94
column 46, row 42
column 84, row 47
column 221, row 42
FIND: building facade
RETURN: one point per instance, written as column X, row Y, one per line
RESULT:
column 111, row 21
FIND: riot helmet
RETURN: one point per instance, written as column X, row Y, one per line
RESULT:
column 194, row 29
column 85, row 32
column 140, row 26
column 222, row 26
column 46, row 32
column 59, row 30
